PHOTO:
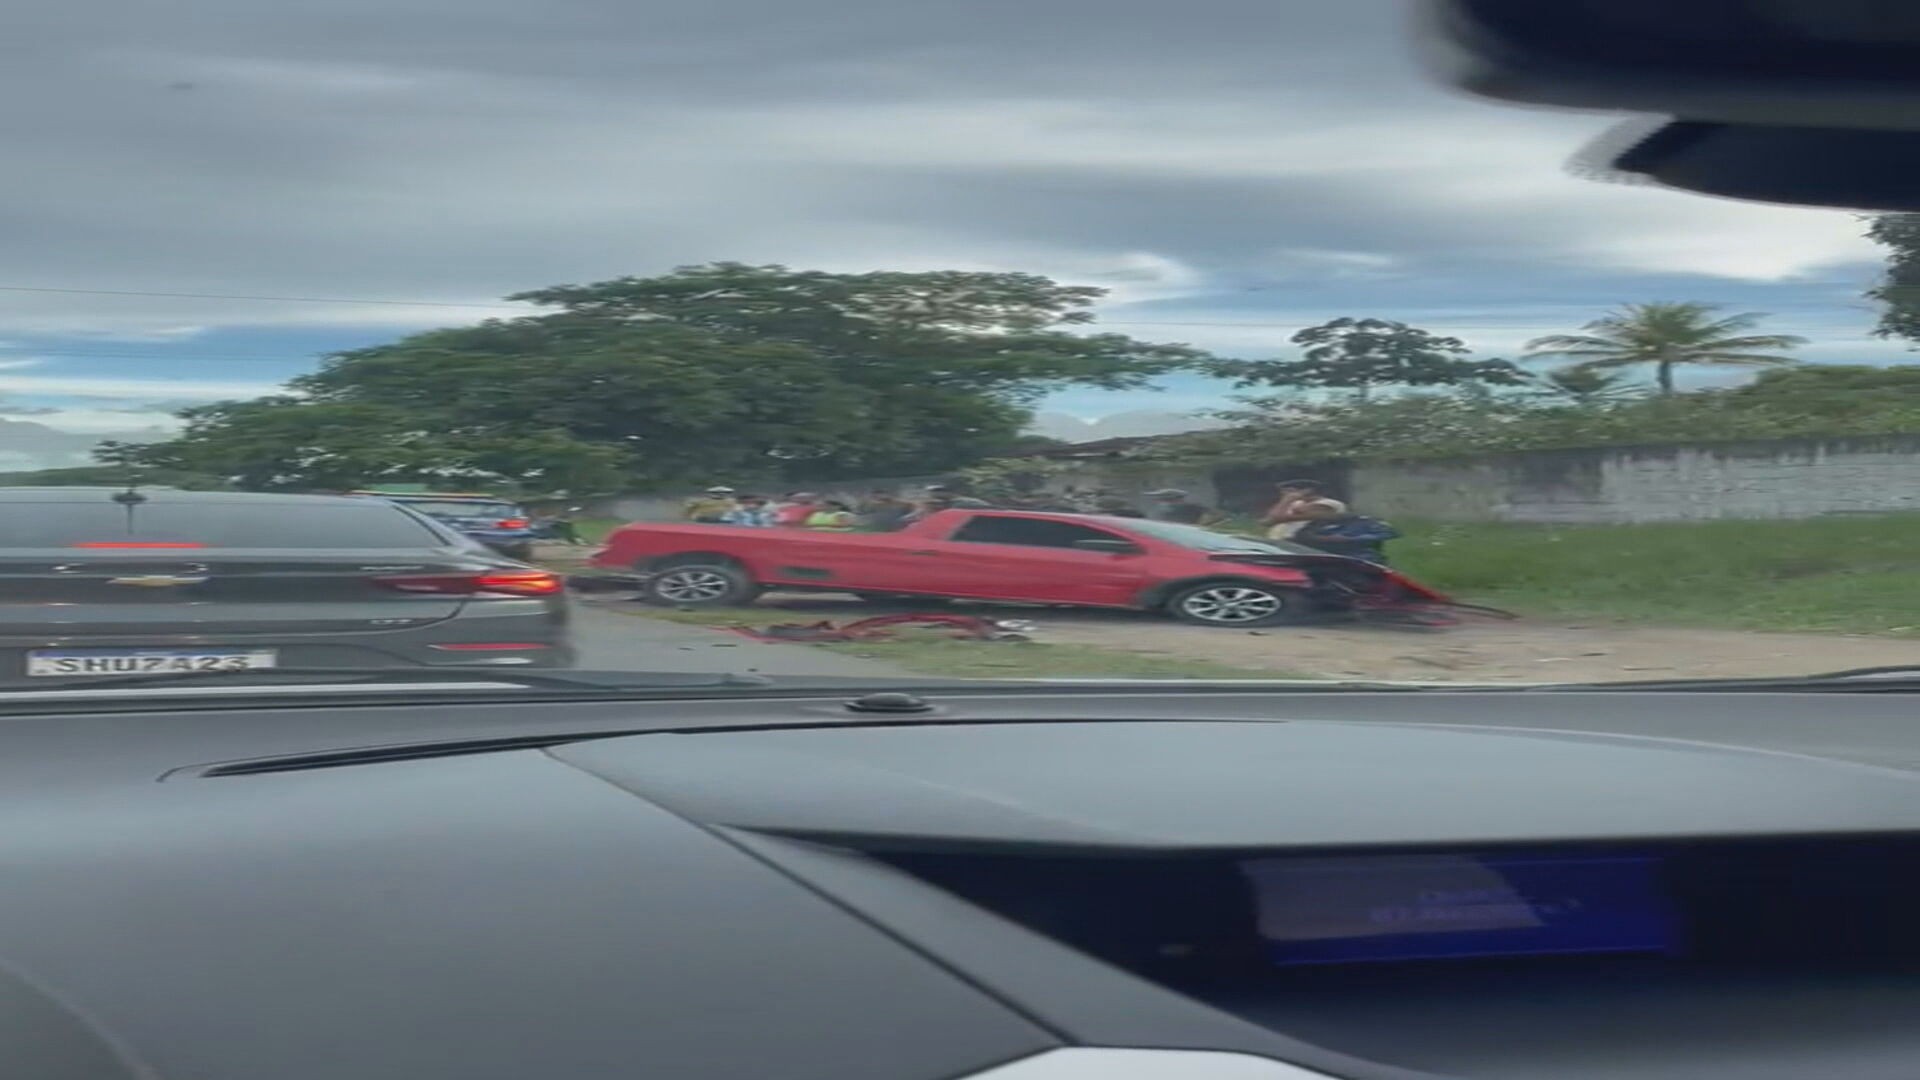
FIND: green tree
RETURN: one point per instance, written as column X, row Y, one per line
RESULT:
column 993, row 333
column 1667, row 336
column 287, row 443
column 1899, row 287
column 1797, row 402
column 1842, row 394
column 113, row 476
column 1585, row 386
column 1360, row 354
column 674, row 402
column 745, row 373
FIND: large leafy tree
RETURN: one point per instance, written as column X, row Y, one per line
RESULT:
column 728, row 371
column 1899, row 288
column 289, row 443
column 113, row 476
column 1361, row 354
column 1668, row 336
column 995, row 333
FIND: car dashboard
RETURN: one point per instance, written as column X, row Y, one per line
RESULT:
column 1237, row 883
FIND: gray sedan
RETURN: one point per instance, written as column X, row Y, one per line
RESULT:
column 104, row 582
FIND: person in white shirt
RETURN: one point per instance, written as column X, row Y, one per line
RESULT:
column 1301, row 501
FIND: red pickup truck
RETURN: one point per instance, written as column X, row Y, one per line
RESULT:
column 1190, row 573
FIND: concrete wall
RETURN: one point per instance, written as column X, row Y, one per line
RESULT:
column 1132, row 481
column 1786, row 478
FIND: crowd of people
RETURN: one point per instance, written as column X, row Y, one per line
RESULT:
column 884, row 511
column 1304, row 512
column 879, row 511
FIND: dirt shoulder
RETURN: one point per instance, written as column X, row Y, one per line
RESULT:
column 921, row 651
column 1530, row 651
column 1536, row 649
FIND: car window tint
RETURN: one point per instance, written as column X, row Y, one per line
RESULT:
column 214, row 525
column 1028, row 532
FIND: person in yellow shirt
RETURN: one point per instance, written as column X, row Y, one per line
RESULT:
column 711, row 507
column 832, row 515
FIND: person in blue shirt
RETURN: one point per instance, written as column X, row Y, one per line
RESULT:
column 751, row 511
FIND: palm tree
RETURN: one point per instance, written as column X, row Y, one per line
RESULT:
column 1667, row 335
column 1586, row 385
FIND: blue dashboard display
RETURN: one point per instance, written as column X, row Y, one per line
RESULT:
column 1436, row 907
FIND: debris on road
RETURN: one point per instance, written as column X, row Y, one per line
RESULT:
column 1439, row 615
column 881, row 627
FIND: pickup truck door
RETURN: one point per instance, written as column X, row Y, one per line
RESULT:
column 1009, row 557
column 858, row 562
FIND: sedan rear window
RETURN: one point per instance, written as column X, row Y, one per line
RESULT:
column 455, row 508
column 108, row 525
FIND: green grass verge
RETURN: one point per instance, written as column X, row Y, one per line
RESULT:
column 595, row 530
column 1039, row 660
column 930, row 652
column 1858, row 574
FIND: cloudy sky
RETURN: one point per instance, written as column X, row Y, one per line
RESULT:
column 1232, row 169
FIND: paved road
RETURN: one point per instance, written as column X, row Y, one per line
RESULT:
column 612, row 641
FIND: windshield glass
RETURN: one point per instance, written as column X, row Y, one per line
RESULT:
column 1192, row 536
column 625, row 336
column 105, row 526
column 454, row 508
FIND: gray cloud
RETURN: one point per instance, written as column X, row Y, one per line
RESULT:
column 434, row 150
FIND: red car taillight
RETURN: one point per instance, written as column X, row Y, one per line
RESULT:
column 509, row 582
column 512, row 523
column 521, row 582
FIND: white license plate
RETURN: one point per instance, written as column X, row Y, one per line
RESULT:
column 74, row 663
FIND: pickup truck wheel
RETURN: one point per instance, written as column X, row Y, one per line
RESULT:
column 1237, row 603
column 700, row 585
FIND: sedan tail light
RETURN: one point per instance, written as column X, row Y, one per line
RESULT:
column 513, row 523
column 521, row 582
column 506, row 582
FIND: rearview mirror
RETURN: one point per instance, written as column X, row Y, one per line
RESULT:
column 1851, row 168
column 1111, row 547
column 1805, row 63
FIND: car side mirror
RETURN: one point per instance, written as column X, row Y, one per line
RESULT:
column 1110, row 547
